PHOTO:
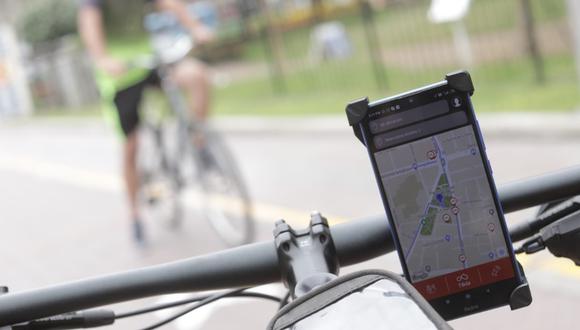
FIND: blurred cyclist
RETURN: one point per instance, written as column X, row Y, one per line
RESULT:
column 123, row 87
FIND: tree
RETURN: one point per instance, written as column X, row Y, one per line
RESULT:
column 47, row 21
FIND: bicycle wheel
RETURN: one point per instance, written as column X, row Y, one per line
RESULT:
column 226, row 203
column 158, row 192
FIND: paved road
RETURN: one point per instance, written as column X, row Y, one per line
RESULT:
column 62, row 212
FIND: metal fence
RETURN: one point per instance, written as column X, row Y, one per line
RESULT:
column 396, row 44
column 351, row 48
column 61, row 76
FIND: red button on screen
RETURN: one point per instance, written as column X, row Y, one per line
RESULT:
column 433, row 288
column 466, row 279
column 463, row 280
column 496, row 271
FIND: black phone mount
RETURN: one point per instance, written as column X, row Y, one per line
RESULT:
column 521, row 296
column 357, row 110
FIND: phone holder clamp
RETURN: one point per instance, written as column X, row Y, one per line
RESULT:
column 521, row 296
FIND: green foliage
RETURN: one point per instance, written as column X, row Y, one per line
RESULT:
column 48, row 20
column 124, row 19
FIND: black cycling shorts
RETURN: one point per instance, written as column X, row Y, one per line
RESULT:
column 128, row 101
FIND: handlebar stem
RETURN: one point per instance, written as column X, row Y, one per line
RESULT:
column 306, row 258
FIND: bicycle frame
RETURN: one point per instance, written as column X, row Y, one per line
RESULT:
column 250, row 265
column 198, row 145
column 185, row 124
column 177, row 103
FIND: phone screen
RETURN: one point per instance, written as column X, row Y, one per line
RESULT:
column 439, row 195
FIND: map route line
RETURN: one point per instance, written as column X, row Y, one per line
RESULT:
column 416, row 168
column 427, row 207
column 417, row 231
column 414, row 240
column 408, row 169
column 419, row 173
column 457, row 218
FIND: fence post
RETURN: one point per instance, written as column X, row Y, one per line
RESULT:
column 271, row 38
column 317, row 11
column 574, row 19
column 532, row 42
column 373, row 43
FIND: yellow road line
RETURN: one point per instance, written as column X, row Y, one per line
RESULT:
column 545, row 262
column 560, row 266
column 264, row 212
column 82, row 178
column 61, row 173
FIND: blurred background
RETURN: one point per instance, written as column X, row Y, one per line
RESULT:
column 283, row 57
column 282, row 73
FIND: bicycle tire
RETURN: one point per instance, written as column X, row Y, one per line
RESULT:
column 158, row 193
column 226, row 202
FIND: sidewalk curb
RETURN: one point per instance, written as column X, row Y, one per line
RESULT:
column 493, row 125
column 521, row 125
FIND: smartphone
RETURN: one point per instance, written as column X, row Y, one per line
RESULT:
column 436, row 185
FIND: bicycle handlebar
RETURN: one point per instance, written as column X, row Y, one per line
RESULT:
column 166, row 52
column 534, row 191
column 248, row 265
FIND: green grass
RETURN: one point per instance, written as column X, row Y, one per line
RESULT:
column 507, row 86
column 513, row 87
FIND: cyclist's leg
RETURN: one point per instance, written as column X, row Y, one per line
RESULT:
column 130, row 173
column 192, row 77
column 127, row 104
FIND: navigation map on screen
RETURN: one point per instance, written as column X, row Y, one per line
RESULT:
column 444, row 212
